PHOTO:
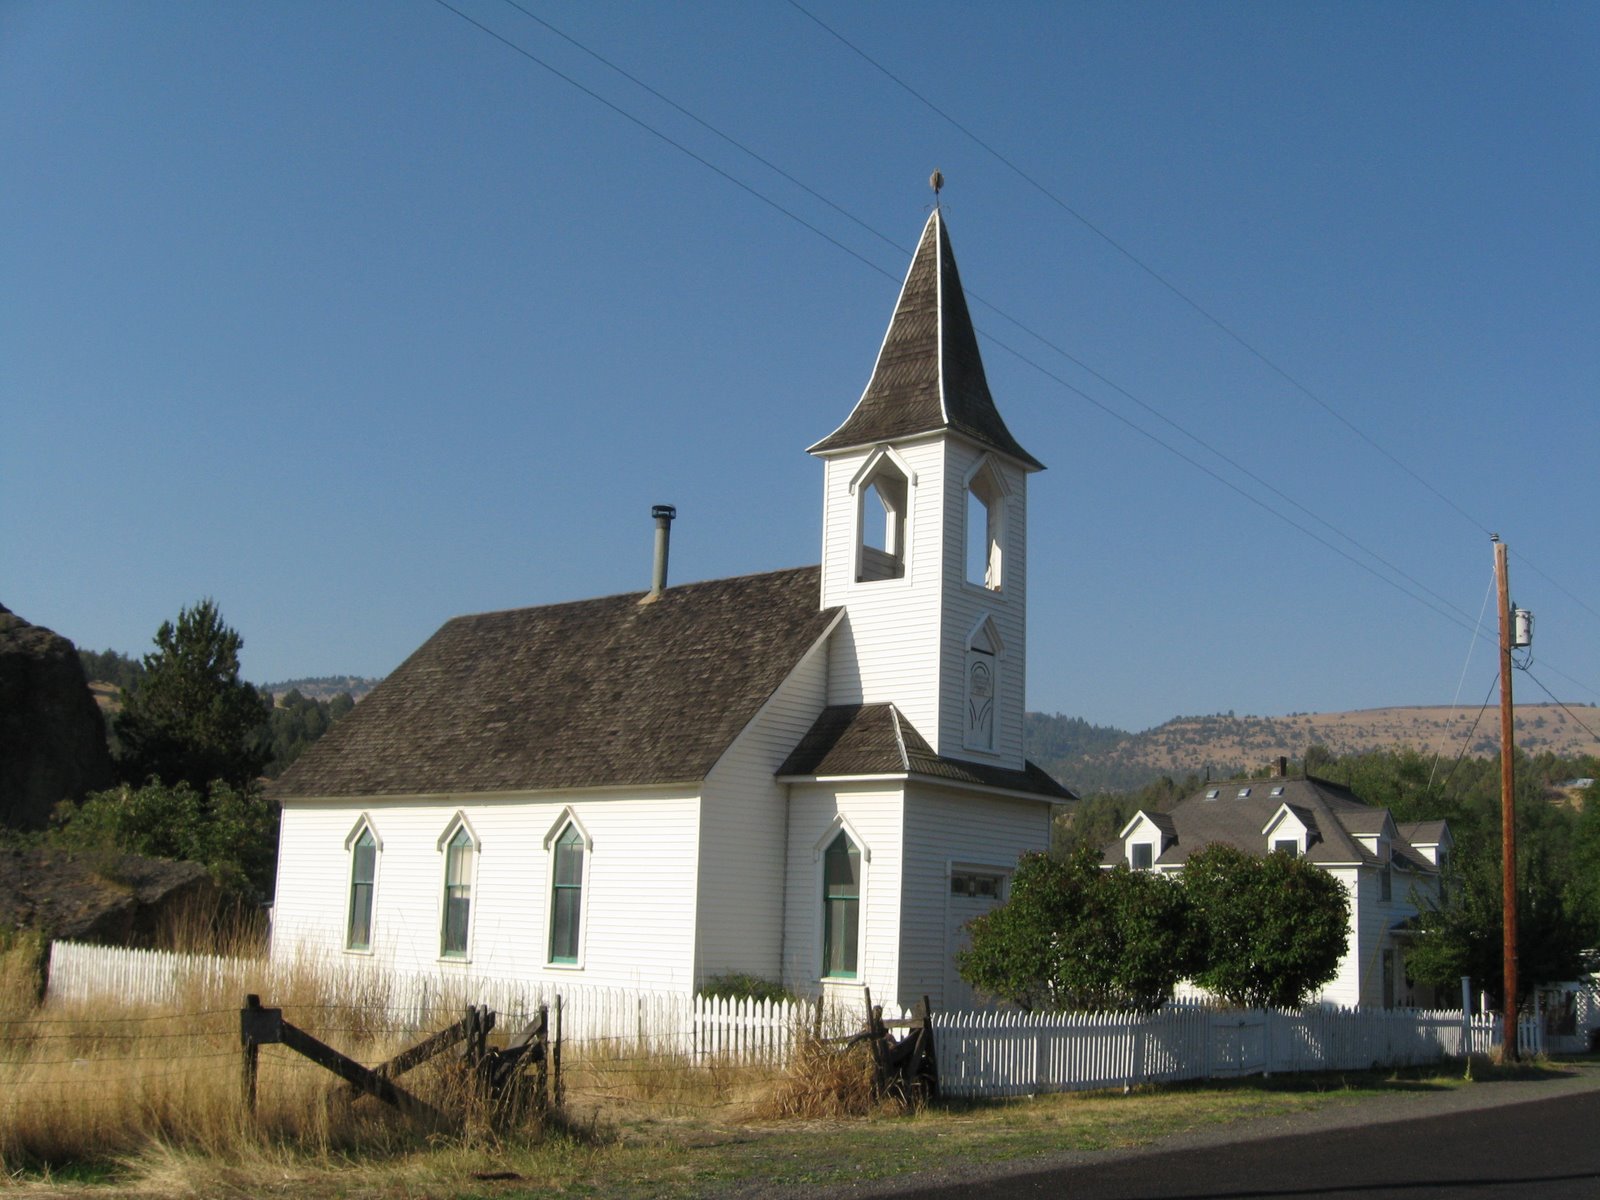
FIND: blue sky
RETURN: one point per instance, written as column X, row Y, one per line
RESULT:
column 354, row 318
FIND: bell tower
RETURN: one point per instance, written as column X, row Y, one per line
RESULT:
column 925, row 529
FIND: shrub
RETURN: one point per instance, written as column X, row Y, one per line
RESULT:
column 746, row 987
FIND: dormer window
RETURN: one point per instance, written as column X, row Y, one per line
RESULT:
column 986, row 526
column 882, row 508
column 1290, row 846
column 1141, row 856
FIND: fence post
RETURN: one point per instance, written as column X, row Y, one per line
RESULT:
column 252, row 1051
column 555, row 1055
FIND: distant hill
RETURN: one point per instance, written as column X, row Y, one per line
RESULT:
column 1091, row 758
column 323, row 687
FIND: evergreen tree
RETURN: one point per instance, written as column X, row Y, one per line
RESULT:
column 191, row 719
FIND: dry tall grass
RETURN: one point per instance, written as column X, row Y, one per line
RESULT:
column 87, row 1083
column 158, row 1092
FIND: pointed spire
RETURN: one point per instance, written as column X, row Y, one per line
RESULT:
column 929, row 374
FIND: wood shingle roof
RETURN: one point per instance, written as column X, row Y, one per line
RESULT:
column 587, row 694
column 929, row 375
column 876, row 739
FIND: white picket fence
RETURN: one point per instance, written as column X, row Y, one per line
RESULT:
column 1016, row 1054
column 979, row 1053
column 661, row 1022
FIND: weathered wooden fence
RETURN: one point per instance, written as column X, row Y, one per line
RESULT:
column 979, row 1053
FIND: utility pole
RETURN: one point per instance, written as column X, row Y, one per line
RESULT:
column 1508, row 824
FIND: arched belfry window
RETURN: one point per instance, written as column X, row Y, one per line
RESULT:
column 883, row 504
column 986, row 525
column 981, row 686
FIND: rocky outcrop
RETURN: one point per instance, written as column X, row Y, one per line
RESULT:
column 52, row 736
column 123, row 900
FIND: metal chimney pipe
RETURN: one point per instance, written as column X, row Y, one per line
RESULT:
column 663, row 513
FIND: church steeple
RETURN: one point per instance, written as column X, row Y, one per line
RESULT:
column 925, row 530
column 929, row 375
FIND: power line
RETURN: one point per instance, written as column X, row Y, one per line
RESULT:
column 1166, row 283
column 1025, row 328
column 1560, row 705
column 1450, row 611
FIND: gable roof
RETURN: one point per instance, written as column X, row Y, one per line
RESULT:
column 1334, row 812
column 929, row 375
column 876, row 739
column 586, row 694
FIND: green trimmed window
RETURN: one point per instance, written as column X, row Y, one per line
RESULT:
column 363, row 874
column 457, row 894
column 566, row 896
column 841, row 908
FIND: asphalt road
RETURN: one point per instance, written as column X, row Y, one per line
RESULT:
column 1541, row 1148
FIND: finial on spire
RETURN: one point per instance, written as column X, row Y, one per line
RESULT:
column 936, row 182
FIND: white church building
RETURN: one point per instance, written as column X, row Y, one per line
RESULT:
column 813, row 776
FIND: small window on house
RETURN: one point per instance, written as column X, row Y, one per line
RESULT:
column 566, row 896
column 1143, row 856
column 1278, row 791
column 1385, row 883
column 968, row 883
column 881, row 520
column 1213, row 793
column 1243, row 792
column 457, row 894
column 985, row 528
column 841, row 908
column 363, row 875
column 1286, row 846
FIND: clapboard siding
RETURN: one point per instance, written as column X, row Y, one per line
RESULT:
column 888, row 649
column 639, row 903
column 877, row 814
column 942, row 828
column 742, row 832
column 1346, row 986
column 967, row 603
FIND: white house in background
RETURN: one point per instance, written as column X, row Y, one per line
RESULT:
column 1385, row 868
column 813, row 775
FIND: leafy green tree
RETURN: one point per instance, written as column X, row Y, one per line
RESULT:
column 1270, row 931
column 1073, row 936
column 191, row 719
column 232, row 831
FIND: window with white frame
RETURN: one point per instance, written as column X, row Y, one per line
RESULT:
column 1286, row 846
column 458, row 864
column 841, row 908
column 566, row 895
column 1142, row 856
column 363, row 879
